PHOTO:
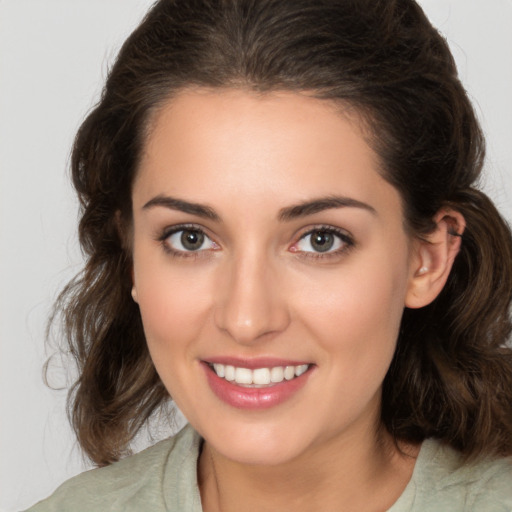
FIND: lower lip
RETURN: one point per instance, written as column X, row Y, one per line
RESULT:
column 254, row 398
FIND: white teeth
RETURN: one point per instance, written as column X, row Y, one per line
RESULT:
column 259, row 376
column 219, row 369
column 277, row 374
column 229, row 372
column 289, row 372
column 243, row 376
column 299, row 370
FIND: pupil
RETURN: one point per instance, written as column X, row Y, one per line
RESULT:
column 192, row 240
column 322, row 241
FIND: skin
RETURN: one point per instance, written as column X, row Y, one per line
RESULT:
column 257, row 288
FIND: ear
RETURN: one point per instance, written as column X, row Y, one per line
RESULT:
column 433, row 258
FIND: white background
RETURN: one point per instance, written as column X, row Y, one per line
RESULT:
column 53, row 58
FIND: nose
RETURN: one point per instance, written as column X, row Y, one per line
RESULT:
column 251, row 304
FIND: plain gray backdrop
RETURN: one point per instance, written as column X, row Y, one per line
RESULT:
column 53, row 59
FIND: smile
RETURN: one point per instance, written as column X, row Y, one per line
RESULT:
column 266, row 384
column 259, row 377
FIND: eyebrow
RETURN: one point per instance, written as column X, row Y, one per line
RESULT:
column 318, row 205
column 285, row 214
column 183, row 206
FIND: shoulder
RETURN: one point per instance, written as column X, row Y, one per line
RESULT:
column 492, row 485
column 444, row 479
column 154, row 477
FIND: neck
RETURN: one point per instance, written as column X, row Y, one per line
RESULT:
column 362, row 472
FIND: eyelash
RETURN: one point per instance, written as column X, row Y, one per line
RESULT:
column 178, row 253
column 346, row 240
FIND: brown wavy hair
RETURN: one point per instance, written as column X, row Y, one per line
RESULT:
column 451, row 377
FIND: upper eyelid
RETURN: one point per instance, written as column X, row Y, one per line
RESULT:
column 348, row 243
column 321, row 227
column 170, row 230
column 163, row 240
column 346, row 238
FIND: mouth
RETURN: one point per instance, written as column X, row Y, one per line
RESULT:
column 256, row 385
column 258, row 377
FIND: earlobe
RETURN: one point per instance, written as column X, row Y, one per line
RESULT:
column 134, row 290
column 433, row 258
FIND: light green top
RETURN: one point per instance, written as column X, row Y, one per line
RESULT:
column 164, row 478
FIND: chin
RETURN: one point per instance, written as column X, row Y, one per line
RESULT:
column 257, row 445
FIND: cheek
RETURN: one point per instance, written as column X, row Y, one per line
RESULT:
column 173, row 302
column 356, row 312
column 355, row 320
column 174, row 310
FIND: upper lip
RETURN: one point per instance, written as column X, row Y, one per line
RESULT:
column 254, row 362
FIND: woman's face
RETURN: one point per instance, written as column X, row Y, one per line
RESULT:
column 266, row 244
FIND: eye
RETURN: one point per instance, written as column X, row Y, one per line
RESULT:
column 185, row 240
column 323, row 240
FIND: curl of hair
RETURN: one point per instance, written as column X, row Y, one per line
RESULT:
column 451, row 377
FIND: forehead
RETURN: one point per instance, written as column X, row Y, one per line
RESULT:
column 235, row 145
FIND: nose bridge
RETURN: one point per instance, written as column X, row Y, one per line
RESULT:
column 250, row 304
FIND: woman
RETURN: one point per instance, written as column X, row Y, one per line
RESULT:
column 283, row 235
